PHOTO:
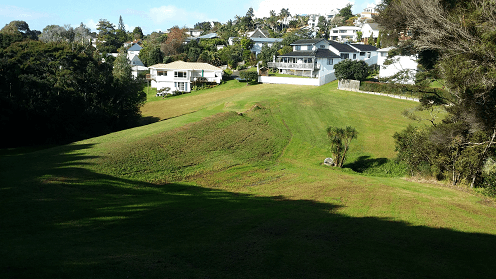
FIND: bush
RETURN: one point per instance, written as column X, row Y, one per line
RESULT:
column 352, row 69
column 249, row 76
column 227, row 73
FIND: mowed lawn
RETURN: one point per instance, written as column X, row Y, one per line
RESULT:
column 229, row 183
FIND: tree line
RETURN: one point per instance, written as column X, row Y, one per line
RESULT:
column 60, row 91
column 455, row 43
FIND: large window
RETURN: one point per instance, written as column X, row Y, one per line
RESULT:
column 180, row 74
column 345, row 55
column 354, row 55
column 297, row 47
column 161, row 73
column 330, row 61
column 181, row 86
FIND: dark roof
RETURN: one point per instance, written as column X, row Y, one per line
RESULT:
column 319, row 53
column 364, row 47
column 307, row 42
column 342, row 47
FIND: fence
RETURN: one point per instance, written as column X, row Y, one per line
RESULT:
column 298, row 81
column 349, row 84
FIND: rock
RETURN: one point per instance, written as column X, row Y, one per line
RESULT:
column 329, row 162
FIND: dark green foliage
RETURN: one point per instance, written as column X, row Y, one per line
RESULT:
column 351, row 69
column 340, row 142
column 404, row 90
column 150, row 54
column 250, row 76
column 57, row 92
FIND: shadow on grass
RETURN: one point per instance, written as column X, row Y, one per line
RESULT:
column 145, row 120
column 60, row 220
column 364, row 163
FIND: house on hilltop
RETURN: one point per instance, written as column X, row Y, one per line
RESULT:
column 179, row 75
column 310, row 58
column 315, row 58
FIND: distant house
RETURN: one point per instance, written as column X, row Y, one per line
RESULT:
column 316, row 58
column 179, row 75
column 259, row 37
column 370, row 29
column 134, row 50
column 311, row 58
column 367, row 53
column 344, row 33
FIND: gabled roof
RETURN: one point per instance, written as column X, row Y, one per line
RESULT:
column 373, row 25
column 136, row 61
column 342, row 47
column 258, row 33
column 362, row 47
column 135, row 47
column 308, row 41
column 319, row 53
column 181, row 65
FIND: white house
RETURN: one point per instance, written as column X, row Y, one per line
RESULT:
column 311, row 58
column 403, row 66
column 259, row 37
column 370, row 11
column 344, row 33
column 179, row 75
column 134, row 50
column 369, row 29
column 367, row 53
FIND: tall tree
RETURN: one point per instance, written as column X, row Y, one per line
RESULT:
column 137, row 33
column 173, row 44
column 107, row 40
column 455, row 41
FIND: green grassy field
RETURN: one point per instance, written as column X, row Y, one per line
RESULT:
column 229, row 183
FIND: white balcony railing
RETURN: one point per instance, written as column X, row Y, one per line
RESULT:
column 301, row 66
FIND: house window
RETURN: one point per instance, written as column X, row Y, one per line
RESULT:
column 181, row 86
column 330, row 61
column 354, row 55
column 161, row 73
column 322, row 46
column 384, row 54
column 362, row 53
column 368, row 54
column 309, row 47
column 335, row 31
column 345, row 55
column 297, row 47
column 342, row 31
column 180, row 74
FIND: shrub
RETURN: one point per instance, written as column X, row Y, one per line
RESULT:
column 249, row 76
column 352, row 69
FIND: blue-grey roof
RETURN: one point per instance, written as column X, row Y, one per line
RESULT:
column 342, row 47
column 308, row 41
column 136, row 61
column 135, row 47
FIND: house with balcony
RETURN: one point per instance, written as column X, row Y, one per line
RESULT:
column 344, row 33
column 309, row 58
column 181, row 76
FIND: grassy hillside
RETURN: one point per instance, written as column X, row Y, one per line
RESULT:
column 232, row 185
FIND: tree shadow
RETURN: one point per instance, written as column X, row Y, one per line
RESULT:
column 145, row 120
column 61, row 220
column 364, row 163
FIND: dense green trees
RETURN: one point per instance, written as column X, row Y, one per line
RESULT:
column 61, row 92
column 455, row 41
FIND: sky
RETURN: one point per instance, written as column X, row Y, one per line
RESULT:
column 155, row 15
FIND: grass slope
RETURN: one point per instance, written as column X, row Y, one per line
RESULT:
column 210, row 193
